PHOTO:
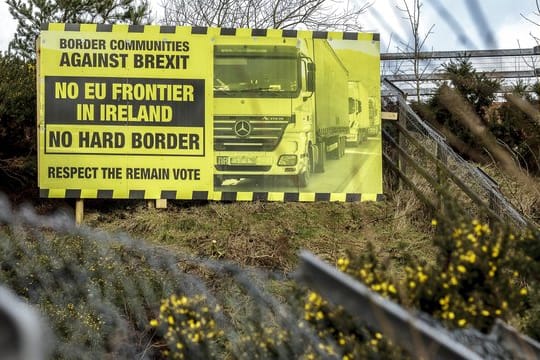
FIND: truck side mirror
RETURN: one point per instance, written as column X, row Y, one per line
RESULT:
column 310, row 77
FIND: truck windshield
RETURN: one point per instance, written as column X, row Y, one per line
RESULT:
column 255, row 76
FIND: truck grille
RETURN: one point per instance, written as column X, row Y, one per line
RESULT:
column 248, row 133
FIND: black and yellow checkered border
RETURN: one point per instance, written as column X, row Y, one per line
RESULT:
column 265, row 196
column 200, row 30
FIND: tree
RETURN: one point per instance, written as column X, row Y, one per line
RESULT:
column 17, row 106
column 31, row 14
column 536, row 14
column 17, row 122
column 478, row 90
column 413, row 16
column 283, row 14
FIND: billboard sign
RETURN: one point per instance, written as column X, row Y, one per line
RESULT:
column 208, row 113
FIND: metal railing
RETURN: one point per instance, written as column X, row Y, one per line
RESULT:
column 420, row 335
column 446, row 173
column 22, row 332
column 509, row 65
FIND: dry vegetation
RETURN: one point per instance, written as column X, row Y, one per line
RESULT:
column 270, row 235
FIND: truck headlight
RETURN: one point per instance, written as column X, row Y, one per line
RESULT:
column 287, row 160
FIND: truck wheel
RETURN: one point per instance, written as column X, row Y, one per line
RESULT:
column 321, row 158
column 302, row 179
column 218, row 180
column 341, row 146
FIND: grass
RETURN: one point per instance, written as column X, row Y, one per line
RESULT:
column 270, row 235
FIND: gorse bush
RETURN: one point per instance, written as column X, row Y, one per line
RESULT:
column 95, row 292
column 475, row 278
column 188, row 327
column 480, row 272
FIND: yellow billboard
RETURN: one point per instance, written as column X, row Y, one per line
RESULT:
column 124, row 112
column 208, row 113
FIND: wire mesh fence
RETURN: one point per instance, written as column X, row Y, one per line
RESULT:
column 480, row 185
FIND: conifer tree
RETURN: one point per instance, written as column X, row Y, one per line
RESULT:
column 31, row 14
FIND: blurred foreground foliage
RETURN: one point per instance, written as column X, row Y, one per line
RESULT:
column 108, row 295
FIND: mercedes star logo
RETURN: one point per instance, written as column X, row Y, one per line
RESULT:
column 242, row 128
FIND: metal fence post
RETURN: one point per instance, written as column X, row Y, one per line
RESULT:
column 21, row 329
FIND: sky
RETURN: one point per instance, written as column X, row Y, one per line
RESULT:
column 510, row 30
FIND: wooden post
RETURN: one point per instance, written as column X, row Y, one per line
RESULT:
column 79, row 211
column 402, row 164
column 393, row 181
column 441, row 175
column 493, row 201
column 156, row 203
column 161, row 203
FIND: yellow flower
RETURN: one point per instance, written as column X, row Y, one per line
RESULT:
column 523, row 291
column 461, row 268
column 412, row 284
column 462, row 322
column 485, row 313
column 153, row 323
column 170, row 320
column 343, row 263
column 434, row 222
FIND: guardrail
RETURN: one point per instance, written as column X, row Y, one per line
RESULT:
column 427, row 67
column 21, row 329
column 419, row 335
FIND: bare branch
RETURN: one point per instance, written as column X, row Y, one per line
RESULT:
column 312, row 14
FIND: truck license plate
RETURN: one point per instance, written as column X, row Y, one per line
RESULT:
column 243, row 160
column 223, row 160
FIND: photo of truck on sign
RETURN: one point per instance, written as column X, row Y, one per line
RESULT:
column 284, row 110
